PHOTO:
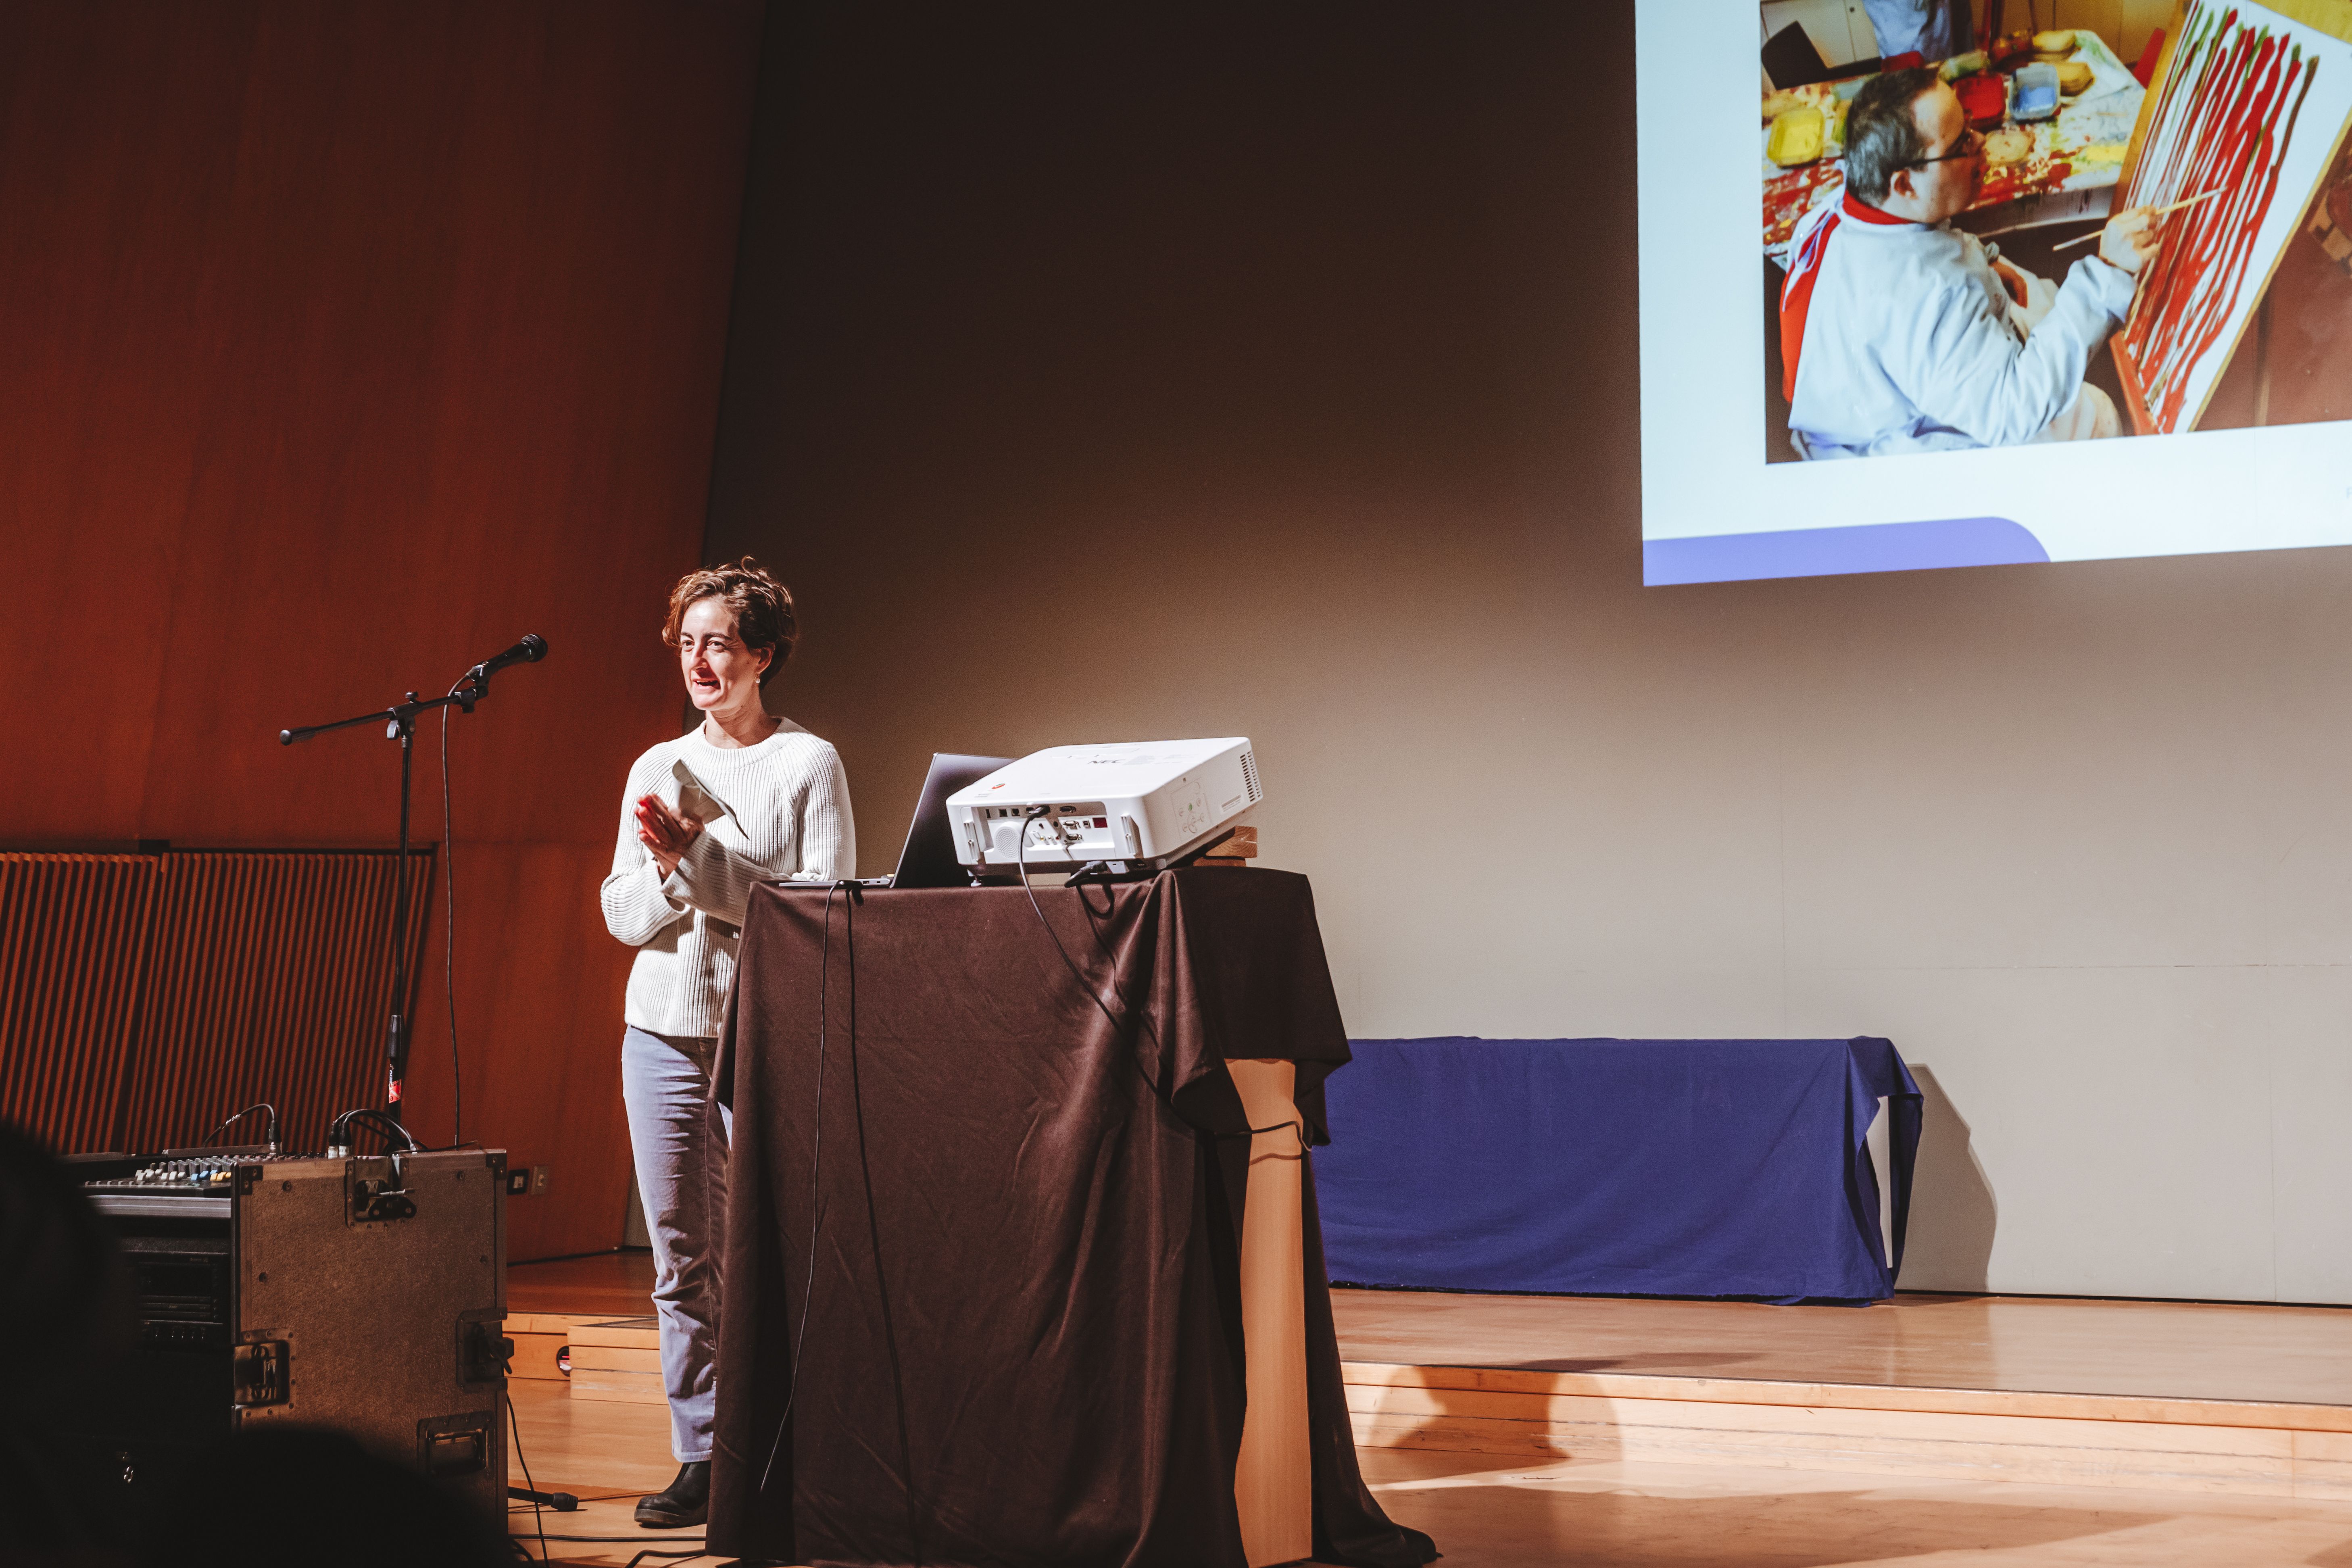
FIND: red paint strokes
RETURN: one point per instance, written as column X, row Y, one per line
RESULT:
column 2225, row 153
column 2222, row 120
column 2185, row 86
column 2214, row 242
column 2215, row 310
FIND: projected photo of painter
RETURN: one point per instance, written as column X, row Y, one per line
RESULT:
column 2030, row 293
column 2033, row 242
column 1901, row 333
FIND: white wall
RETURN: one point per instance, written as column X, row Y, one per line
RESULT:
column 1273, row 374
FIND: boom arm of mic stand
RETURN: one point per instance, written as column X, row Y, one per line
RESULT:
column 395, row 719
column 303, row 732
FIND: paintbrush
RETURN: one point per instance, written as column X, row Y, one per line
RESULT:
column 2190, row 202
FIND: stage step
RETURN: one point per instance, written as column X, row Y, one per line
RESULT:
column 613, row 1358
column 2246, row 1447
column 2193, row 1444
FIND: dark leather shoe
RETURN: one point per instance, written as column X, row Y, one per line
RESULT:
column 686, row 1500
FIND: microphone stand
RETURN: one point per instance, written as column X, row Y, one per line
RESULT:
column 400, row 724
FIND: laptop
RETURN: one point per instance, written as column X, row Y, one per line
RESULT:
column 928, row 857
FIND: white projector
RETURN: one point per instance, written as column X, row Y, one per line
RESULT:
column 1138, row 805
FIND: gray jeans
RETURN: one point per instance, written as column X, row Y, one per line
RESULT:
column 680, row 1149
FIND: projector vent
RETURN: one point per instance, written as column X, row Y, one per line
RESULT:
column 1249, row 777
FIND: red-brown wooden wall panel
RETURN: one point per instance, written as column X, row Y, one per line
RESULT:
column 345, row 344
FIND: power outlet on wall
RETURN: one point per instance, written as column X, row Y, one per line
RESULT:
column 525, row 1181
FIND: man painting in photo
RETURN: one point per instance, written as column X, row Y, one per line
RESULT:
column 1899, row 333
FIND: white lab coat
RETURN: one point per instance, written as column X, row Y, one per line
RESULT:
column 1912, row 345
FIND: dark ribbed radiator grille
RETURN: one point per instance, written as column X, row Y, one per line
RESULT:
column 145, row 997
column 72, row 950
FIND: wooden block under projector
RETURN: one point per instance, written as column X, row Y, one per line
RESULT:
column 1238, row 850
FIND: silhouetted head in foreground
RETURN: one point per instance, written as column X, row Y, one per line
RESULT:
column 62, row 1285
column 293, row 1497
column 65, row 1310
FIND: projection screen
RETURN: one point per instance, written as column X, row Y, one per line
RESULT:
column 1947, row 360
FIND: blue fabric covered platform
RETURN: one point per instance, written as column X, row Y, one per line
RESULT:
column 1616, row 1167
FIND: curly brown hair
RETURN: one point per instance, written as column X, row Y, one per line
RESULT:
column 763, row 607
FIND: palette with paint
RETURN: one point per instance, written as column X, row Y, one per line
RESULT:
column 1798, row 136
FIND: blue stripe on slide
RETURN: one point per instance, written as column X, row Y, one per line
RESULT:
column 1828, row 552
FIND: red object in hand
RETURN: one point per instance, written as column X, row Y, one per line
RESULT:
column 1984, row 99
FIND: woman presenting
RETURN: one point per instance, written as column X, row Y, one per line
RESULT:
column 741, row 798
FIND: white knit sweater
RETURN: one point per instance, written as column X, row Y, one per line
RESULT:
column 775, row 810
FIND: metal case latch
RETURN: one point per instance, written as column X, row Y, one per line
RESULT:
column 257, row 1374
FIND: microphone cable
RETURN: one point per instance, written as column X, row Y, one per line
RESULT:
column 262, row 1105
column 881, row 1277
column 816, row 1152
column 449, row 882
column 1021, row 869
column 338, row 1132
column 856, row 896
column 449, row 936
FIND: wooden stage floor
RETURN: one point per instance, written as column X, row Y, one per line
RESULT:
column 1525, row 1430
column 2165, row 1349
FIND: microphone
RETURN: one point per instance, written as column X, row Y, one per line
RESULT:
column 531, row 650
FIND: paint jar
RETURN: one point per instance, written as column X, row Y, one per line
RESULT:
column 2037, row 92
column 1984, row 99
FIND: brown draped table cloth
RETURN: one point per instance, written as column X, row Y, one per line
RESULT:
column 1020, row 1335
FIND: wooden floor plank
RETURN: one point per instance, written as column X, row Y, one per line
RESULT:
column 2163, row 1350
column 610, row 1284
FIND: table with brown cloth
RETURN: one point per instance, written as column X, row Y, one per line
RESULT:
column 1020, row 1340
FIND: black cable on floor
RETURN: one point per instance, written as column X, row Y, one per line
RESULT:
column 628, row 1540
column 514, row 1425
